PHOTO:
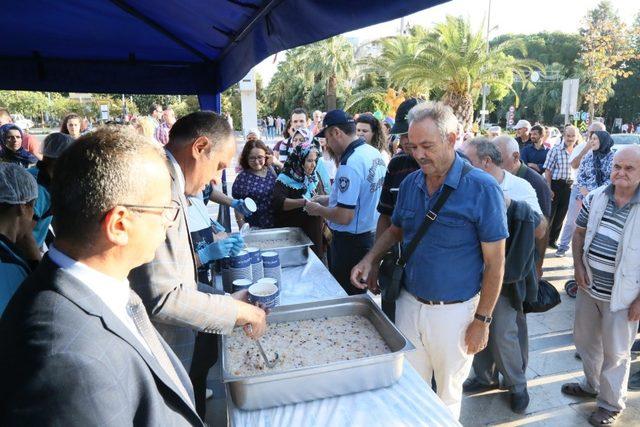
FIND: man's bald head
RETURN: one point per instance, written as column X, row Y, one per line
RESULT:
column 510, row 152
column 625, row 170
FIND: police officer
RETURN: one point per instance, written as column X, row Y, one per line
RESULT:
column 351, row 208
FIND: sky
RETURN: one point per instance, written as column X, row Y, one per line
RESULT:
column 507, row 16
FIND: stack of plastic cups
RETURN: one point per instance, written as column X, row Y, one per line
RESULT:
column 240, row 266
column 257, row 271
column 225, row 271
column 271, row 266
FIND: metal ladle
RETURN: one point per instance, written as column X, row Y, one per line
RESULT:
column 264, row 355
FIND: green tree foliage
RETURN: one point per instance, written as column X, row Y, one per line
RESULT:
column 453, row 59
column 315, row 76
column 607, row 47
column 540, row 101
column 626, row 102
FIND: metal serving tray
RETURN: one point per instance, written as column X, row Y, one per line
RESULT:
column 317, row 382
column 290, row 256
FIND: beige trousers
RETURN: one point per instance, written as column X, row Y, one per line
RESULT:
column 604, row 339
column 438, row 334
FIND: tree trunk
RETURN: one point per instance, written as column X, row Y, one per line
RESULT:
column 462, row 105
column 330, row 95
column 592, row 112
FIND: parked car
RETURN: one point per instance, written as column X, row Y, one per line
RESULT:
column 22, row 122
column 621, row 140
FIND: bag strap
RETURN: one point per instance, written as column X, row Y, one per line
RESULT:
column 429, row 219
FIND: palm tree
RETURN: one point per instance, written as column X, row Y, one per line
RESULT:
column 377, row 68
column 329, row 61
column 453, row 59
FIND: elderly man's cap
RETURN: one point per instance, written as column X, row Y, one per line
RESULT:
column 333, row 118
column 401, row 125
column 522, row 124
column 17, row 186
column 55, row 144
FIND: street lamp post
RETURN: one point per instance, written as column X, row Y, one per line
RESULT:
column 485, row 87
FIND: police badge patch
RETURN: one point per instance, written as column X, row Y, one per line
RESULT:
column 343, row 184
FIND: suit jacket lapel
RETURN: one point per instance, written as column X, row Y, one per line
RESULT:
column 178, row 191
column 79, row 294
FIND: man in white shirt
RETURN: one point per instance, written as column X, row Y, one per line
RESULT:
column 76, row 345
column 510, row 353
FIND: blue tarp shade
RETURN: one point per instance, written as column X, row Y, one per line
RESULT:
column 167, row 46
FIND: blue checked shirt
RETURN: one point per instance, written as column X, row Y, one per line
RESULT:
column 558, row 162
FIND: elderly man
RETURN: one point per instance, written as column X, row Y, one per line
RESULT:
column 444, row 311
column 200, row 146
column 511, row 163
column 494, row 131
column 606, row 256
column 508, row 350
column 76, row 345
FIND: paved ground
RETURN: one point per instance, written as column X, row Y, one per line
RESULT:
column 551, row 363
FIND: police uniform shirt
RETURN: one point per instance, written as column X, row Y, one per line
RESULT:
column 357, row 186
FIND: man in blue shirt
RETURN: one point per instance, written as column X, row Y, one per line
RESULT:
column 461, row 255
column 351, row 208
column 535, row 154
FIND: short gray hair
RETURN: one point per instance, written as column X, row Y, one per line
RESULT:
column 510, row 145
column 595, row 126
column 439, row 112
column 95, row 174
column 485, row 148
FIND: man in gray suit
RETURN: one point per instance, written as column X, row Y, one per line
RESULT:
column 200, row 146
column 76, row 345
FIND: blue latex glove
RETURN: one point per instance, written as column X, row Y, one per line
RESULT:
column 238, row 243
column 217, row 226
column 237, row 205
column 216, row 250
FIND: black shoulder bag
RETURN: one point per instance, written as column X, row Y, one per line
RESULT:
column 392, row 267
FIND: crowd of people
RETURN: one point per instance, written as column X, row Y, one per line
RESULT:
column 107, row 249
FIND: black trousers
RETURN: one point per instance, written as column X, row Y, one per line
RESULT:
column 347, row 250
column 205, row 355
column 559, row 206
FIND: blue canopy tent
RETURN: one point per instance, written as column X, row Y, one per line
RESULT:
column 196, row 47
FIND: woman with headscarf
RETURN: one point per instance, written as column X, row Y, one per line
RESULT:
column 11, row 150
column 595, row 168
column 296, row 184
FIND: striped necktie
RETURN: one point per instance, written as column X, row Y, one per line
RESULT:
column 141, row 320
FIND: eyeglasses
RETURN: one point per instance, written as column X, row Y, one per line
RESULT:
column 169, row 213
column 256, row 158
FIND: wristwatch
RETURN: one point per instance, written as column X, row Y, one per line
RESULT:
column 483, row 319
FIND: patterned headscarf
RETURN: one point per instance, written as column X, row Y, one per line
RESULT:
column 606, row 142
column 293, row 174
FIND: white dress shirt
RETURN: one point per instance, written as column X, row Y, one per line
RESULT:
column 517, row 188
column 112, row 292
